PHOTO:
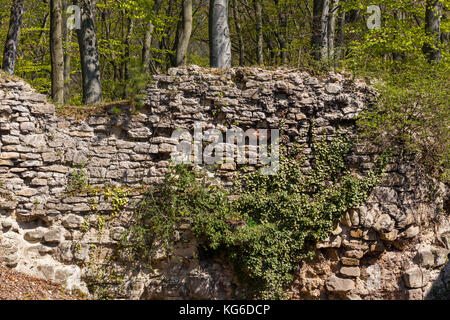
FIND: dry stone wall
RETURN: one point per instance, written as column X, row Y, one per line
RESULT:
column 393, row 247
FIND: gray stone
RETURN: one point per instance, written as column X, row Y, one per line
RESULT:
column 440, row 257
column 72, row 221
column 414, row 294
column 333, row 88
column 354, row 216
column 350, row 271
column 8, row 205
column 27, row 127
column 47, row 270
column 116, row 233
column 140, row 133
column 426, row 258
column 334, row 242
column 42, row 108
column 34, row 140
column 166, row 148
column 384, row 224
column 6, row 139
column 389, row 236
column 54, row 235
column 411, row 232
column 35, row 235
column 65, row 251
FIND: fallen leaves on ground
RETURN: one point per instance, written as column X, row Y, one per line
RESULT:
column 19, row 286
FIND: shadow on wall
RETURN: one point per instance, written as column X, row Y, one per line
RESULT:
column 441, row 287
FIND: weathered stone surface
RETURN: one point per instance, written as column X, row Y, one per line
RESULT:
column 54, row 235
column 72, row 221
column 426, row 258
column 335, row 284
column 350, row 261
column 389, row 236
column 350, row 271
column 117, row 233
column 415, row 294
column 384, row 224
column 335, row 242
column 35, row 235
column 411, row 232
column 34, row 140
column 357, row 254
column 333, row 88
column 8, row 205
column 415, row 278
column 140, row 133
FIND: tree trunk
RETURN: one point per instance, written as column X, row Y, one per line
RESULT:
column 148, row 37
column 67, row 35
column 127, row 48
column 259, row 32
column 332, row 28
column 90, row 65
column 12, row 39
column 281, row 36
column 433, row 29
column 146, row 47
column 239, row 34
column 219, row 34
column 445, row 36
column 56, row 51
column 341, row 36
column 319, row 32
column 183, row 38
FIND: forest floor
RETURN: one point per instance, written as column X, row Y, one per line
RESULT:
column 19, row 286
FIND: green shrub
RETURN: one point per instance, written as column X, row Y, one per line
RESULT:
column 412, row 115
column 78, row 181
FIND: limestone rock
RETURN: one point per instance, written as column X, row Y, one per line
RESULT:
column 389, row 236
column 411, row 232
column 350, row 261
column 54, row 235
column 333, row 88
column 330, row 243
column 140, row 133
column 426, row 258
column 350, row 271
column 384, row 224
column 72, row 221
column 415, row 278
column 35, row 235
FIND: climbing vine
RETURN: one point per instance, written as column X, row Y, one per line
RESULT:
column 267, row 224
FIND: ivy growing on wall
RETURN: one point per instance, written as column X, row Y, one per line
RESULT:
column 266, row 225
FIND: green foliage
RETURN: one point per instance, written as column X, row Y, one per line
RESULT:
column 135, row 87
column 266, row 225
column 78, row 181
column 118, row 198
column 412, row 115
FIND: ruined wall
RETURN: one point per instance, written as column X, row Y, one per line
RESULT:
column 393, row 247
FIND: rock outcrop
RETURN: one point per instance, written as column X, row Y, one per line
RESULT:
column 393, row 247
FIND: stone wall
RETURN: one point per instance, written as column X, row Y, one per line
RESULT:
column 394, row 247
